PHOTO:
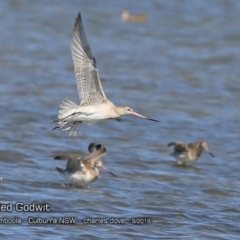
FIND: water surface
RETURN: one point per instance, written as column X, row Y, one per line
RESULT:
column 181, row 67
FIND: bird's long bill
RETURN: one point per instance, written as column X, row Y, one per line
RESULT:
column 211, row 154
column 207, row 150
column 141, row 116
column 108, row 171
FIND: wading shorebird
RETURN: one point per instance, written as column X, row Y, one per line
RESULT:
column 83, row 171
column 94, row 105
column 188, row 153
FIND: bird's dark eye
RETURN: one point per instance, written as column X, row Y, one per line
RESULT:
column 129, row 109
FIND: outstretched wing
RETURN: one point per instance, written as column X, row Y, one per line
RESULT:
column 179, row 147
column 74, row 163
column 67, row 156
column 88, row 81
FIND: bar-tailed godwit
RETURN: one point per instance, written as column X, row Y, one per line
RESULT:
column 94, row 105
column 83, row 171
column 189, row 153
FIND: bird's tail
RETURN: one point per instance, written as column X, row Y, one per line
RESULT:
column 67, row 110
column 66, row 105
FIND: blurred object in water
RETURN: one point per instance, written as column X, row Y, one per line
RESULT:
column 127, row 17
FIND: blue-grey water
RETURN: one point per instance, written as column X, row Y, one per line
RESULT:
column 180, row 67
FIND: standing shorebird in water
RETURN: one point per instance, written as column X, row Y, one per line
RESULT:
column 83, row 171
column 188, row 153
column 94, row 105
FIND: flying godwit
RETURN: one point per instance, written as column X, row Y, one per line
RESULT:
column 189, row 153
column 94, row 105
column 83, row 171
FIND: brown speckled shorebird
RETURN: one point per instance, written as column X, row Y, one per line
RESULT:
column 189, row 153
column 94, row 105
column 83, row 171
